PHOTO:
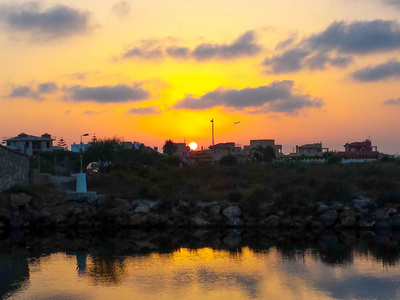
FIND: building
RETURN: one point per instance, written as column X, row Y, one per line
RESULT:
column 315, row 149
column 222, row 149
column 29, row 144
column 264, row 143
column 77, row 147
column 360, row 150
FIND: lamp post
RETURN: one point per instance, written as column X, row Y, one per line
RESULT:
column 85, row 134
column 212, row 131
column 81, row 177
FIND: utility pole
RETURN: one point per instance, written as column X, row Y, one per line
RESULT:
column 212, row 129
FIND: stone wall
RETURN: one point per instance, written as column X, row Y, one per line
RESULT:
column 14, row 168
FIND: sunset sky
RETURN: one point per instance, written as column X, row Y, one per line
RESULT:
column 294, row 71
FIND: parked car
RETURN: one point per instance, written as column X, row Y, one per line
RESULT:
column 92, row 168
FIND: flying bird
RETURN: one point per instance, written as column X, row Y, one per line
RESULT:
column 236, row 122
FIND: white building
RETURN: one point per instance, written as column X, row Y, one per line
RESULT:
column 29, row 144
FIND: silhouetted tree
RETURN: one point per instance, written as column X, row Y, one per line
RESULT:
column 262, row 154
column 169, row 147
column 61, row 143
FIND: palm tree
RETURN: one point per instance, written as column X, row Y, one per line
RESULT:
column 169, row 147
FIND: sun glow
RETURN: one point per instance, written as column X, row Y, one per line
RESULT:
column 193, row 146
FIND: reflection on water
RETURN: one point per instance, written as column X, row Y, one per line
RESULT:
column 200, row 265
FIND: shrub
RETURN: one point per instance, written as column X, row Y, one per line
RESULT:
column 228, row 160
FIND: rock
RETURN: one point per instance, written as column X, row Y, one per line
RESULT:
column 19, row 200
column 138, row 220
column 143, row 206
column 317, row 225
column 16, row 221
column 57, row 218
column 4, row 214
column 383, row 225
column 2, row 225
column 364, row 203
column 347, row 218
column 392, row 211
column 329, row 218
column 395, row 222
column 215, row 210
column 233, row 240
column 265, row 207
column 198, row 222
column 205, row 205
column 153, row 219
column 235, row 222
column 382, row 215
column 169, row 223
column 280, row 213
column 232, row 212
column 117, row 202
column 271, row 222
column 338, row 207
column 323, row 208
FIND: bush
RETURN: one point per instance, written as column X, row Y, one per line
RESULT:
column 228, row 160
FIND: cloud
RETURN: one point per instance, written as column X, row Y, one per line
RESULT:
column 392, row 102
column 47, row 88
column 378, row 72
column 244, row 45
column 289, row 61
column 150, row 110
column 393, row 3
column 67, row 112
column 121, row 9
column 54, row 23
column 335, row 46
column 92, row 112
column 178, row 52
column 279, row 96
column 25, row 91
column 107, row 94
column 148, row 49
column 359, row 37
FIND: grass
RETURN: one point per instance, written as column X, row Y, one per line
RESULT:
column 284, row 184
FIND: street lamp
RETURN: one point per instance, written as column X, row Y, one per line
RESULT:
column 81, row 177
column 85, row 134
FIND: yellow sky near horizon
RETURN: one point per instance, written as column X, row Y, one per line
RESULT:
column 79, row 47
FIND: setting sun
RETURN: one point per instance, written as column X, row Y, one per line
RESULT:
column 193, row 146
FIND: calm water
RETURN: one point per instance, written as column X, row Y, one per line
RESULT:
column 200, row 265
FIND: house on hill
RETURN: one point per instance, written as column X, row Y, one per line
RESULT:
column 29, row 144
column 263, row 143
column 360, row 150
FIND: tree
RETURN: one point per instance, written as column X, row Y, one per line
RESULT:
column 169, row 147
column 262, row 154
column 61, row 143
column 106, row 150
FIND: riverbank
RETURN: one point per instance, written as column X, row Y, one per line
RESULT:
column 265, row 197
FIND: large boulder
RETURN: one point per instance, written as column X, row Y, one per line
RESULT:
column 347, row 218
column 235, row 222
column 117, row 202
column 19, row 200
column 232, row 212
column 329, row 218
column 271, row 222
column 215, row 210
column 143, row 206
column 198, row 222
column 138, row 220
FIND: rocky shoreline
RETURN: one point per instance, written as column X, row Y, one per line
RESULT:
column 24, row 212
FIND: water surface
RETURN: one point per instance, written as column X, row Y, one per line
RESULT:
column 200, row 265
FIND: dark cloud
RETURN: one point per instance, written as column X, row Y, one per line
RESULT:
column 23, row 92
column 47, row 88
column 278, row 96
column 379, row 72
column 359, row 37
column 178, row 52
column 151, row 110
column 392, row 102
column 333, row 46
column 107, row 94
column 56, row 22
column 121, row 9
column 289, row 61
column 245, row 45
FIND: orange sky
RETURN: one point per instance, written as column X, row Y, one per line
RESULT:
column 294, row 71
